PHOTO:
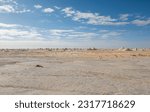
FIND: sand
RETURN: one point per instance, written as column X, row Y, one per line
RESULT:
column 74, row 72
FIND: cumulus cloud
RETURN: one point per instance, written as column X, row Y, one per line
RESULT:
column 97, row 19
column 91, row 18
column 37, row 6
column 139, row 22
column 11, row 6
column 68, row 11
column 48, row 10
column 7, row 9
column 12, row 9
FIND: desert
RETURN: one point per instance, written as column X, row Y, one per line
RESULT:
column 75, row 71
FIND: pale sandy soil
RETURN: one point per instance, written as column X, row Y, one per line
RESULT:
column 74, row 72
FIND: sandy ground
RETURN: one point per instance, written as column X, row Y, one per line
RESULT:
column 80, row 72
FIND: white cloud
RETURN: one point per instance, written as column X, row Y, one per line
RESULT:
column 29, row 37
column 68, row 11
column 48, row 10
column 7, row 9
column 8, row 1
column 139, row 22
column 97, row 19
column 71, row 34
column 56, row 37
column 16, row 34
column 19, row 32
column 91, row 18
column 124, row 17
column 84, row 35
column 11, row 6
column 8, row 25
column 12, row 9
column 38, row 6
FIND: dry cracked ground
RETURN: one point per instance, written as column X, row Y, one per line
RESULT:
column 74, row 72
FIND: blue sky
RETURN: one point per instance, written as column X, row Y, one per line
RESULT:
column 74, row 23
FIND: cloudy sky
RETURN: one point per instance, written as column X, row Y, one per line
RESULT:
column 74, row 23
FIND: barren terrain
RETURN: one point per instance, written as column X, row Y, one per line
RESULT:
column 67, row 71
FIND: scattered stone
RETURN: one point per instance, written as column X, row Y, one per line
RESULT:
column 39, row 66
column 134, row 55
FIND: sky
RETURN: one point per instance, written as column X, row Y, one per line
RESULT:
column 74, row 23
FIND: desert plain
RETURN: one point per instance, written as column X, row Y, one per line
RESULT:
column 75, row 71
